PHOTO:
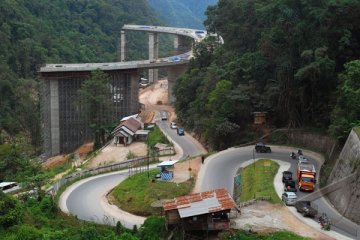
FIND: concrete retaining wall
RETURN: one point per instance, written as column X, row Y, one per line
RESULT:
column 317, row 142
column 347, row 199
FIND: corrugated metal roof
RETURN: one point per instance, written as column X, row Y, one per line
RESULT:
column 167, row 163
column 201, row 203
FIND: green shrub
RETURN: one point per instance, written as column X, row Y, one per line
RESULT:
column 153, row 228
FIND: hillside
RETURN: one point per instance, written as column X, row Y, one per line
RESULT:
column 279, row 57
column 185, row 13
column 34, row 32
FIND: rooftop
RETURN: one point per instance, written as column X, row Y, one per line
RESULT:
column 167, row 163
column 201, row 203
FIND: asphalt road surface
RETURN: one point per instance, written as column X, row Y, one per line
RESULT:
column 219, row 171
column 189, row 147
column 84, row 201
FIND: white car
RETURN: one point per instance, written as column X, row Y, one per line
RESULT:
column 9, row 187
column 289, row 198
column 173, row 125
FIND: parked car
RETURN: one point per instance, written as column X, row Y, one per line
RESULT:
column 286, row 175
column 163, row 115
column 290, row 186
column 9, row 187
column 289, row 198
column 262, row 148
column 143, row 85
column 305, row 208
column 180, row 131
column 173, row 125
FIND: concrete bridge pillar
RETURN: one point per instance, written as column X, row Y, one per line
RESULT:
column 153, row 55
column 174, row 72
column 54, row 117
column 181, row 44
column 122, row 49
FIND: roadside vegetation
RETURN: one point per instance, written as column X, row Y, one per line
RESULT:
column 295, row 61
column 156, row 136
column 257, row 181
column 280, row 235
column 40, row 219
column 137, row 193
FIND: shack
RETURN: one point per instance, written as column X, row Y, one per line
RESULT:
column 259, row 118
column 167, row 169
column 205, row 211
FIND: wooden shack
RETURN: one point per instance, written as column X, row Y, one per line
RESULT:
column 204, row 211
column 259, row 118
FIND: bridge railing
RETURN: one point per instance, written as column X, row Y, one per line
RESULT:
column 134, row 165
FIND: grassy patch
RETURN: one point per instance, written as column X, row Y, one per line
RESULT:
column 280, row 235
column 156, row 136
column 137, row 193
column 257, row 181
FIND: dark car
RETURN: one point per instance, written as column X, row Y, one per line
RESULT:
column 290, row 186
column 262, row 148
column 305, row 208
column 286, row 175
column 180, row 131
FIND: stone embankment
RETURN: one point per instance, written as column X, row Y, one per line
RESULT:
column 347, row 199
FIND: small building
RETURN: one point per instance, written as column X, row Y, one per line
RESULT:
column 259, row 118
column 167, row 169
column 205, row 211
column 129, row 130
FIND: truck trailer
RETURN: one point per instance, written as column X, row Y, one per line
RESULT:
column 306, row 176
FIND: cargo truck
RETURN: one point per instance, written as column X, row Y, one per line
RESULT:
column 306, row 176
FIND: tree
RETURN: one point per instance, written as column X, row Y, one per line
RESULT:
column 95, row 99
column 10, row 211
column 346, row 113
column 153, row 228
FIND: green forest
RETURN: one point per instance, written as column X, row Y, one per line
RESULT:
column 295, row 60
column 33, row 33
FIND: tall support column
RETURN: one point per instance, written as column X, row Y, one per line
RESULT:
column 181, row 44
column 54, row 117
column 134, row 86
column 122, row 49
column 174, row 72
column 153, row 55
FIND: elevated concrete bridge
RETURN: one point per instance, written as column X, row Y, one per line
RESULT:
column 66, row 126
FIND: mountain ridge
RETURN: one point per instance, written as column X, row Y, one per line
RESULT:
column 186, row 13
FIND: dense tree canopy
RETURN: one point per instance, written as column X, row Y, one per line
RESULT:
column 281, row 57
column 35, row 32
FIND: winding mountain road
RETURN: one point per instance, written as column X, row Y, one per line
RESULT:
column 220, row 169
column 85, row 199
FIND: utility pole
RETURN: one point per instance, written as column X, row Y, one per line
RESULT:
column 254, row 159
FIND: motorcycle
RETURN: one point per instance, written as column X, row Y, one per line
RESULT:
column 300, row 152
column 292, row 155
column 325, row 222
